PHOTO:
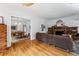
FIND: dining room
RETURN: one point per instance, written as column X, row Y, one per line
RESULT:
column 20, row 28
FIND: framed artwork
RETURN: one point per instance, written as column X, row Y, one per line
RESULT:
column 42, row 27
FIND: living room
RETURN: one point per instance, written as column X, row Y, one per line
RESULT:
column 50, row 25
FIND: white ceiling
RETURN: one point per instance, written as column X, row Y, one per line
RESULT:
column 54, row 10
column 45, row 10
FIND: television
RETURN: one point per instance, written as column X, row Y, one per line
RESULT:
column 59, row 32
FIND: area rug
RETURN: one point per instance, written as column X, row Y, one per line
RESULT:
column 76, row 49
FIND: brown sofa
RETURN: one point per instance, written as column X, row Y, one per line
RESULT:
column 63, row 42
column 44, row 37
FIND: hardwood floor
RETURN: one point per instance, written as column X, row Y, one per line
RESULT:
column 33, row 48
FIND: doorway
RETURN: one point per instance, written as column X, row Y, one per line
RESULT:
column 20, row 29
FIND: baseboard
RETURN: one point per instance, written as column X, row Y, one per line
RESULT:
column 32, row 39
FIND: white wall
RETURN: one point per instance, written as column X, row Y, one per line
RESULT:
column 69, row 21
column 36, row 26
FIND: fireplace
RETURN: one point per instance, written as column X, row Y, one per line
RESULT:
column 59, row 32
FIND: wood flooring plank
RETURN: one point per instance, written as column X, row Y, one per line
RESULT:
column 33, row 48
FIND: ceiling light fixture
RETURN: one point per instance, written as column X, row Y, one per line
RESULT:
column 28, row 4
